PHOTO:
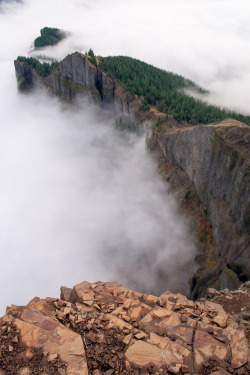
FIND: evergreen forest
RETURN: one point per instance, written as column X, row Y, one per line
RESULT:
column 165, row 90
column 49, row 37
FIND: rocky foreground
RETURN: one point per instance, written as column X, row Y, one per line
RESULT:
column 105, row 328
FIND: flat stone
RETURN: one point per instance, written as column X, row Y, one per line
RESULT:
column 173, row 353
column 181, row 332
column 50, row 336
column 206, row 348
column 159, row 313
column 143, row 355
column 239, row 347
column 136, row 312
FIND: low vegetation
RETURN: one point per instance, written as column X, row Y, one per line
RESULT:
column 92, row 57
column 49, row 37
column 42, row 69
column 165, row 90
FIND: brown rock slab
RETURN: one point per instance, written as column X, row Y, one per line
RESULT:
column 83, row 293
column 221, row 317
column 239, row 347
column 125, row 332
column 207, row 348
column 52, row 337
column 143, row 355
column 66, row 293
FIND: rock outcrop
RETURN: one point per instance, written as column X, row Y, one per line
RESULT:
column 27, row 78
column 105, row 328
column 77, row 77
column 217, row 160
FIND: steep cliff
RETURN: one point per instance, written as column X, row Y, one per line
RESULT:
column 27, row 78
column 77, row 77
column 213, row 162
column 217, row 160
column 105, row 328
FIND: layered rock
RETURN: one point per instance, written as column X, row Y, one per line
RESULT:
column 217, row 160
column 105, row 328
column 78, row 77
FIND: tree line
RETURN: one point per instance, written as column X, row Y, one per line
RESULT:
column 165, row 90
column 43, row 69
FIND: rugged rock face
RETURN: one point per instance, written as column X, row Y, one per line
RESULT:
column 78, row 77
column 27, row 77
column 217, row 160
column 105, row 328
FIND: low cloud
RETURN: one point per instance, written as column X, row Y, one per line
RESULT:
column 81, row 200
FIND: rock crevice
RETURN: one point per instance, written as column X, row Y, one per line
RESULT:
column 105, row 328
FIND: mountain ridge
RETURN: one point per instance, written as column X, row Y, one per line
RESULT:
column 78, row 77
column 156, row 90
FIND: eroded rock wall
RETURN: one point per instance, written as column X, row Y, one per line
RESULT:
column 78, row 77
column 27, row 78
column 217, row 159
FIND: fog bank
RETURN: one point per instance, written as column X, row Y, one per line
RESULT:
column 81, row 200
column 207, row 41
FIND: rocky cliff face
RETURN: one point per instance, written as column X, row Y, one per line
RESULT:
column 27, row 78
column 78, row 77
column 105, row 328
column 217, row 160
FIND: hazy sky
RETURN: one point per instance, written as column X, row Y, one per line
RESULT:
column 75, row 194
column 205, row 40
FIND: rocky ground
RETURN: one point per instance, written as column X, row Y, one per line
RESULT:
column 105, row 328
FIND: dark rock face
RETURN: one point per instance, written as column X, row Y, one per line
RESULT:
column 80, row 70
column 78, row 77
column 217, row 159
column 27, row 78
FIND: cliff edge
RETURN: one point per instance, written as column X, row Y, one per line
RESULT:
column 105, row 328
column 217, row 160
column 75, row 78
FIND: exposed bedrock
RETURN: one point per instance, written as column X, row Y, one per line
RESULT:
column 217, row 159
column 105, row 328
column 78, row 77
